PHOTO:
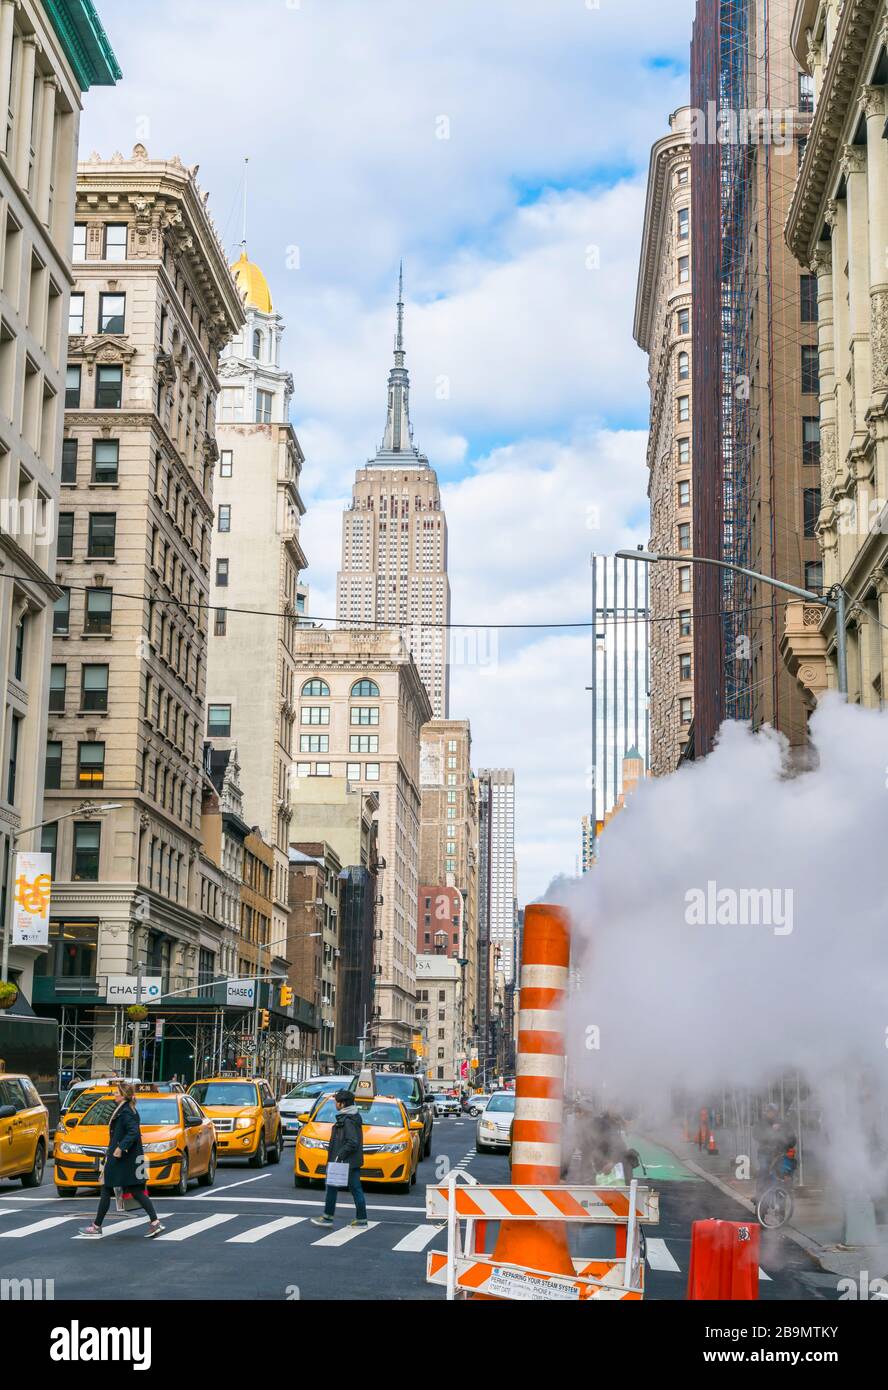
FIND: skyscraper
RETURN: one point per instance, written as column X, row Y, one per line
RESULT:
column 501, row 902
column 394, row 541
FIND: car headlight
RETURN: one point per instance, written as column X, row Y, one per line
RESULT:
column 392, row 1148
column 488, row 1124
column 313, row 1143
column 244, row 1122
column 160, row 1148
column 69, row 1148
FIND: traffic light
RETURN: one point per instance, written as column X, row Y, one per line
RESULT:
column 263, row 1018
column 286, row 996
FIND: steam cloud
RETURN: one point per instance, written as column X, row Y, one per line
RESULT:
column 695, row 1007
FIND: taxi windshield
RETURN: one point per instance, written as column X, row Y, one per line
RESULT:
column 500, row 1103
column 378, row 1112
column 81, row 1102
column 223, row 1093
column 312, row 1088
column 150, row 1112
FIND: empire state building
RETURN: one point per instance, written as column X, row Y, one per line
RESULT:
column 394, row 541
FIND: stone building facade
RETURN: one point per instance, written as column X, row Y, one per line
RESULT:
column 663, row 323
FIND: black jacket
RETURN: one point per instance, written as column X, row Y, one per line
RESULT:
column 125, row 1134
column 347, row 1139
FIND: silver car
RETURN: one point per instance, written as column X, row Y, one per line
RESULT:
column 494, row 1128
column 301, row 1099
column 477, row 1104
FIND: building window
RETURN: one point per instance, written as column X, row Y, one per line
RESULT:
column 684, row 709
column 684, row 493
column 52, row 779
column 322, row 769
column 684, row 622
column 115, row 241
column 684, row 535
column 811, row 441
column 257, row 345
column 315, row 714
column 684, row 666
column 220, row 622
column 363, row 743
column 264, row 401
column 806, row 92
column 109, row 387
column 58, row 677
column 366, row 689
column 811, row 498
column 87, row 843
column 684, row 269
column 303, row 769
column 684, row 579
column 684, row 451
column 91, row 764
column 813, row 575
column 225, row 517
column 684, row 408
column 72, row 387
column 105, row 460
column 112, row 313
column 353, row 772
column 808, row 294
column 317, row 689
column 684, row 230
column 102, row 535
column 49, row 839
column 364, row 714
column 683, row 318
column 98, row 610
column 810, row 370
column 314, row 743
column 372, row 772
column 219, row 721
column 684, row 366
column 61, row 613
column 65, row 536
column 682, row 176
column 94, row 688
column 78, row 251
column 222, row 574
column 69, row 461
column 75, row 315
column 226, row 463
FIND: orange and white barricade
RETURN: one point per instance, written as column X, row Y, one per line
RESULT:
column 466, row 1270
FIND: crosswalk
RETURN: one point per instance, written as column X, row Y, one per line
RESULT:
column 244, row 1228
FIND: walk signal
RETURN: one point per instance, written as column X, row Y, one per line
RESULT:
column 286, row 996
column 263, row 1018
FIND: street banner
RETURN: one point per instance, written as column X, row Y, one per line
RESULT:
column 121, row 989
column 30, row 911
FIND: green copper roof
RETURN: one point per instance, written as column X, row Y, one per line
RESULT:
column 85, row 42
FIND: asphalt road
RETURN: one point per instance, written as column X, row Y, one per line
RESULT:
column 249, row 1237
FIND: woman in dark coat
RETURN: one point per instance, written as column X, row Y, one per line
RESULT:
column 124, row 1163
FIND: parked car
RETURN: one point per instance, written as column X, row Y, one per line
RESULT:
column 494, row 1128
column 24, row 1130
column 301, row 1099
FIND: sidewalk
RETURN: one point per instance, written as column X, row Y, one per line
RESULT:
column 816, row 1225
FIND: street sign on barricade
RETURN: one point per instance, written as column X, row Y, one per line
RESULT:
column 465, row 1269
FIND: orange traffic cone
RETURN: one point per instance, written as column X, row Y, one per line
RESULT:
column 539, row 1094
column 712, row 1147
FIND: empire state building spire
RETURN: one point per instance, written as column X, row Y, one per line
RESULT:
column 397, row 444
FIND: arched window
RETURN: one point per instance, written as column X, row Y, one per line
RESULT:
column 684, row 366
column 257, row 344
column 363, row 688
column 320, row 689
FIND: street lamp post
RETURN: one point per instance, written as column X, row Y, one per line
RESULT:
column 835, row 600
column 87, row 811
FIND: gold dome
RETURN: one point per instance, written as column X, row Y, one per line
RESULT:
column 252, row 284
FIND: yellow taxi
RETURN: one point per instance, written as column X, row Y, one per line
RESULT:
column 391, row 1142
column 178, row 1138
column 245, row 1115
column 24, row 1130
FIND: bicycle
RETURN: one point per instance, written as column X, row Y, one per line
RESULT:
column 774, row 1206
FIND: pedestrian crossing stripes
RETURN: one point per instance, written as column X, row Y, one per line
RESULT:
column 662, row 1258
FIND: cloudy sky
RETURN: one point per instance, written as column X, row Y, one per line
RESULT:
column 501, row 147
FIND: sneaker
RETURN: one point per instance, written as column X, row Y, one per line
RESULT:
column 358, row 1223
column 322, row 1220
column 154, row 1230
column 91, row 1232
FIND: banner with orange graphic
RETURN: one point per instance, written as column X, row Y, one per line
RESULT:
column 30, row 908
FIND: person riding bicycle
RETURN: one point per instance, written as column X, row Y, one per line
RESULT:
column 772, row 1139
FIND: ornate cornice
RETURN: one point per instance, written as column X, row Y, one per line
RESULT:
column 828, row 131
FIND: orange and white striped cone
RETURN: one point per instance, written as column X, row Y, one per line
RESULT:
column 539, row 1089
